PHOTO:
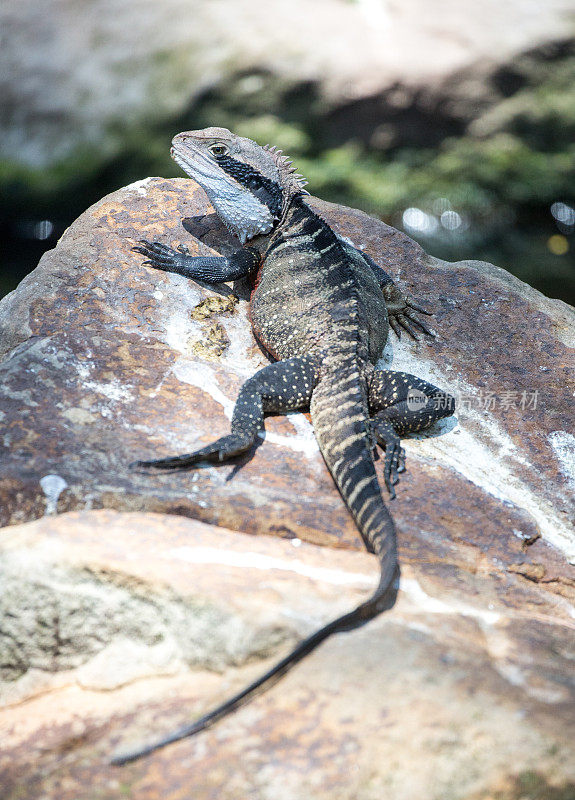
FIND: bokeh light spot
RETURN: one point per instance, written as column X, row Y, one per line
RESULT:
column 558, row 244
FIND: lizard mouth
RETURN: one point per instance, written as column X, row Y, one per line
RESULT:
column 189, row 159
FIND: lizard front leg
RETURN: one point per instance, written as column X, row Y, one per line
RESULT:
column 211, row 269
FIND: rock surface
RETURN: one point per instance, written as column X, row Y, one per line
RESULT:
column 105, row 361
column 141, row 613
column 101, row 367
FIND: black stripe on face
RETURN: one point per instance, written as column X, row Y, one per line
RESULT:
column 266, row 190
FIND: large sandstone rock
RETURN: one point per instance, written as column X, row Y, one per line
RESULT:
column 143, row 621
column 105, row 361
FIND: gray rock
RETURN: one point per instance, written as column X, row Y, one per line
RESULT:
column 479, row 698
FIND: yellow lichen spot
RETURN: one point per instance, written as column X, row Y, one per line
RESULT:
column 79, row 416
column 211, row 345
column 213, row 305
column 558, row 244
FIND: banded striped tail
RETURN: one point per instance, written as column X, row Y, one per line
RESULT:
column 340, row 419
column 340, row 424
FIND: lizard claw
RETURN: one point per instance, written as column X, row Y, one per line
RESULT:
column 161, row 256
column 394, row 462
column 419, row 308
column 401, row 320
column 400, row 311
column 407, row 321
column 405, row 318
column 419, row 323
column 395, row 327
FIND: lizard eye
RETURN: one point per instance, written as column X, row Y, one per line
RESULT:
column 218, row 149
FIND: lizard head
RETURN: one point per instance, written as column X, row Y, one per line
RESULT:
column 248, row 185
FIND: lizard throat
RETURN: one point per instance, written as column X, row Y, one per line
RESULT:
column 241, row 212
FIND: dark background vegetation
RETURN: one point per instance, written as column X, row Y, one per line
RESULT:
column 494, row 182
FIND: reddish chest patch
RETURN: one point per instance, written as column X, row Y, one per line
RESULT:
column 258, row 333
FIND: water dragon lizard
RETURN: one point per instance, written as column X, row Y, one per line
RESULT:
column 322, row 309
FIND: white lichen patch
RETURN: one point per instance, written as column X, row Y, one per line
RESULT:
column 304, row 440
column 140, row 187
column 241, row 355
column 52, row 485
column 179, row 330
column 83, row 368
column 563, row 444
column 432, row 605
column 253, row 560
column 113, row 390
column 201, row 375
column 178, row 300
column 480, row 449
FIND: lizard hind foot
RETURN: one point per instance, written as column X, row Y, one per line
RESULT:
column 173, row 462
column 224, row 448
column 401, row 314
column 394, row 462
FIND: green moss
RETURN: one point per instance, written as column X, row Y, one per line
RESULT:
column 531, row 785
column 268, row 129
column 502, row 174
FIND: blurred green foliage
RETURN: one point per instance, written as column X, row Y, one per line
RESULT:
column 500, row 173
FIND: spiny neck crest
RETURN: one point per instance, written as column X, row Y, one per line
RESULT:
column 291, row 181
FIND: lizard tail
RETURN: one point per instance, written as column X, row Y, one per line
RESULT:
column 353, row 619
column 340, row 418
column 345, row 445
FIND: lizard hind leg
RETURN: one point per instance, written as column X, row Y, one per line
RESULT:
column 280, row 387
column 402, row 403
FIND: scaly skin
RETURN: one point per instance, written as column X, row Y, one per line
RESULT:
column 323, row 310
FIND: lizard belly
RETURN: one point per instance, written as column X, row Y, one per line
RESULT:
column 288, row 328
column 290, row 320
column 310, row 294
column 290, row 323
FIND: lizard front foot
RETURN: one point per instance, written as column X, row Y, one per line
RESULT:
column 162, row 257
column 400, row 312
